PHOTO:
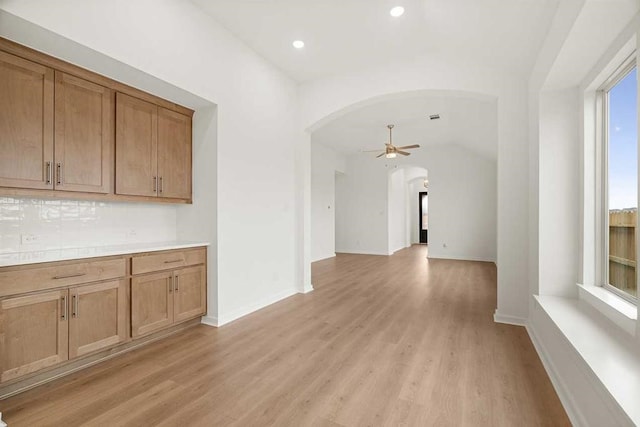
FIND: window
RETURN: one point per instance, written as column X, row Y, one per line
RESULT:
column 621, row 181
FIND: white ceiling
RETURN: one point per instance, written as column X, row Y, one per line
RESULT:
column 342, row 35
column 470, row 123
column 597, row 25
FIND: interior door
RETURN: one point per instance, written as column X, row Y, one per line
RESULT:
column 189, row 293
column 26, row 123
column 98, row 316
column 151, row 303
column 136, row 146
column 83, row 135
column 423, row 203
column 174, row 154
column 33, row 333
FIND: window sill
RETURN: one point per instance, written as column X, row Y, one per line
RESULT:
column 618, row 310
column 618, row 368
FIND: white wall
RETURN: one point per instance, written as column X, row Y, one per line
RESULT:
column 325, row 162
column 462, row 204
column 250, row 182
column 328, row 98
column 361, row 207
column 558, row 198
column 397, row 207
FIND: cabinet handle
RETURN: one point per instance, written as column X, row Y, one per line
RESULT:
column 161, row 185
column 170, row 284
column 48, row 172
column 172, row 261
column 59, row 173
column 155, row 184
column 74, row 307
column 66, row 276
column 177, row 279
column 64, row 307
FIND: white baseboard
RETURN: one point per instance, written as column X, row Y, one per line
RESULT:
column 210, row 321
column 508, row 319
column 307, row 288
column 459, row 257
column 323, row 257
column 362, row 252
column 570, row 407
column 229, row 317
column 236, row 314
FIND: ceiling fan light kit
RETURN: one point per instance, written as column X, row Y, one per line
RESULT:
column 391, row 151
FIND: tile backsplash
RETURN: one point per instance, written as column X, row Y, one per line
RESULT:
column 28, row 224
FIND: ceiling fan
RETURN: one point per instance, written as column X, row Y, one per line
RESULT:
column 391, row 151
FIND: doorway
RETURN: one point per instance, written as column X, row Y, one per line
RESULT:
column 423, row 205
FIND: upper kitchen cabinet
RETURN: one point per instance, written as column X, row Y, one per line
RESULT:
column 83, row 135
column 174, row 154
column 136, row 146
column 153, row 150
column 26, row 123
column 68, row 132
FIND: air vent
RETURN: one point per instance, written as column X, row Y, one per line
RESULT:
column 434, row 116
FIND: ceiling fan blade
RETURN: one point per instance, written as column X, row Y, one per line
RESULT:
column 380, row 155
column 403, row 153
column 406, row 147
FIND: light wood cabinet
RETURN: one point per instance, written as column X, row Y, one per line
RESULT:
column 98, row 317
column 65, row 131
column 26, row 123
column 83, row 135
column 46, row 328
column 59, row 316
column 153, row 150
column 151, row 303
column 161, row 299
column 136, row 146
column 174, row 154
column 33, row 333
column 189, row 294
column 172, row 290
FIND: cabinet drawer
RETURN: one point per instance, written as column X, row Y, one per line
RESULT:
column 35, row 279
column 167, row 260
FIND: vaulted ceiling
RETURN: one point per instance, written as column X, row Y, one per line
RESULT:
column 470, row 123
column 345, row 35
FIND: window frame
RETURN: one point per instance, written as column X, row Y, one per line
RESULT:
column 602, row 214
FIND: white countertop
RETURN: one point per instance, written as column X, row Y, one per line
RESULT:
column 51, row 255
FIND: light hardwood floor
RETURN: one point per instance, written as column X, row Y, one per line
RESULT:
column 397, row 340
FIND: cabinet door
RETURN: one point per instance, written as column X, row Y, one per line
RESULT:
column 33, row 333
column 26, row 123
column 84, row 132
column 151, row 303
column 189, row 293
column 98, row 316
column 136, row 146
column 174, row 154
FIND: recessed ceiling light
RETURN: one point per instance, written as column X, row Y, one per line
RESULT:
column 298, row 44
column 396, row 11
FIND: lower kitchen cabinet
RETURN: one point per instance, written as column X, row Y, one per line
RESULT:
column 159, row 300
column 151, row 303
column 60, row 316
column 189, row 296
column 34, row 332
column 44, row 329
column 98, row 317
